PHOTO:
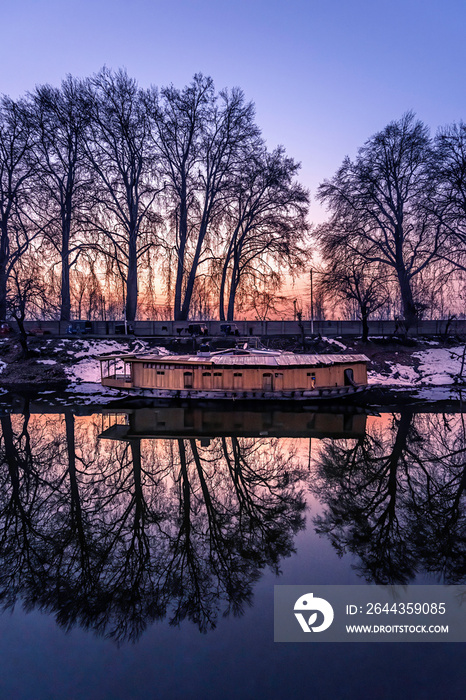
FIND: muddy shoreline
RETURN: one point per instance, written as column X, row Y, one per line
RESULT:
column 55, row 366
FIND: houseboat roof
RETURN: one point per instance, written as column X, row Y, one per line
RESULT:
column 244, row 358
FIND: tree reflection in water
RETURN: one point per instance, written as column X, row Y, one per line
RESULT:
column 396, row 498
column 115, row 535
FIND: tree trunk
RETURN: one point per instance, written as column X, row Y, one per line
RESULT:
column 179, row 282
column 223, row 284
column 3, row 273
column 65, row 309
column 132, row 280
column 183, row 236
column 235, row 278
column 365, row 326
column 23, row 337
column 407, row 299
column 3, row 291
column 184, row 312
column 232, row 298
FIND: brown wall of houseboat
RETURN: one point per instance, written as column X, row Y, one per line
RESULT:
column 237, row 378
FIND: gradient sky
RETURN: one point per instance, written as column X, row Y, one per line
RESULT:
column 324, row 75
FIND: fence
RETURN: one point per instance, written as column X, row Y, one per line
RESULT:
column 329, row 329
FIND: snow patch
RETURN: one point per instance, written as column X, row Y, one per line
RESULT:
column 332, row 341
column 435, row 367
column 87, row 370
column 47, row 362
column 440, row 366
column 2, row 366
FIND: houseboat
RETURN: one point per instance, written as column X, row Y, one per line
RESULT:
column 205, row 423
column 237, row 374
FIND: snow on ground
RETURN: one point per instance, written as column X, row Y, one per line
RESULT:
column 332, row 341
column 2, row 366
column 99, row 393
column 433, row 367
column 84, row 348
column 440, row 366
column 87, row 370
column 47, row 362
column 399, row 375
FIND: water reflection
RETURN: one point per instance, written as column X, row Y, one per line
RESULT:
column 115, row 520
column 396, row 497
column 116, row 534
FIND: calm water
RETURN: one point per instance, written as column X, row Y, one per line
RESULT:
column 139, row 548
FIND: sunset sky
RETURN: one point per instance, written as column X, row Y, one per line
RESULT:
column 324, row 75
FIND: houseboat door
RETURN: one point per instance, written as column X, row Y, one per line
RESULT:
column 267, row 381
column 238, row 380
column 207, row 381
column 279, row 381
column 349, row 377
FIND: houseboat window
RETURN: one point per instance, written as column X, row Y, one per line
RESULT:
column 188, row 380
column 311, row 380
column 160, row 378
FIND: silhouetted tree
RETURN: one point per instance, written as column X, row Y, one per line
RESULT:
column 125, row 166
column 353, row 282
column 449, row 201
column 203, row 140
column 378, row 205
column 265, row 223
column 58, row 119
column 16, row 170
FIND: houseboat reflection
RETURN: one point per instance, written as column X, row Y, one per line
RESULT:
column 204, row 423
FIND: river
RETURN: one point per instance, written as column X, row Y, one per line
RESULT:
column 140, row 547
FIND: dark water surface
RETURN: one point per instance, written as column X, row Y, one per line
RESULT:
column 139, row 549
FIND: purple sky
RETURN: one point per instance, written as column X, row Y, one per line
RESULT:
column 324, row 75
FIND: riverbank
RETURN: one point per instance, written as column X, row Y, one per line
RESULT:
column 423, row 371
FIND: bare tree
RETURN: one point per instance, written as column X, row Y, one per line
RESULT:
column 121, row 157
column 378, row 206
column 265, row 222
column 26, row 295
column 449, row 201
column 351, row 281
column 16, row 170
column 59, row 118
column 202, row 139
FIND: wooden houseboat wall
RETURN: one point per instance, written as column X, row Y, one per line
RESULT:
column 236, row 374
